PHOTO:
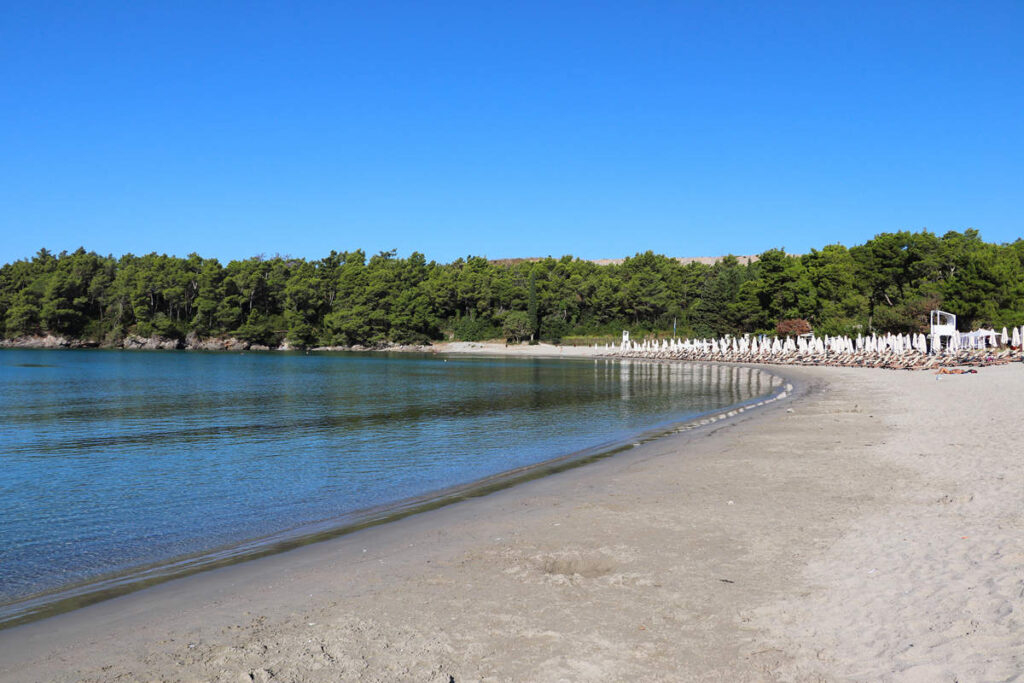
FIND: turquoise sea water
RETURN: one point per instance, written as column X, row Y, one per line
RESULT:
column 110, row 461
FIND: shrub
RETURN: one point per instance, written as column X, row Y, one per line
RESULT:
column 792, row 327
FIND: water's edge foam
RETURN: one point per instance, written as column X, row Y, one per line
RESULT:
column 69, row 598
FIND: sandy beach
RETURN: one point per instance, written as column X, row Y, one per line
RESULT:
column 868, row 528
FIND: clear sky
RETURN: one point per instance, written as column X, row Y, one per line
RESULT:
column 505, row 129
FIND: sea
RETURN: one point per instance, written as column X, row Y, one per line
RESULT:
column 119, row 469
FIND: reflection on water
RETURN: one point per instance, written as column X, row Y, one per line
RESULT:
column 111, row 460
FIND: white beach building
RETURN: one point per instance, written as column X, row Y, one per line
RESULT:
column 943, row 330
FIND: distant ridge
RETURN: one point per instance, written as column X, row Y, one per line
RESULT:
column 685, row 260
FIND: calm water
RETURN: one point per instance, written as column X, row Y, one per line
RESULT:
column 113, row 460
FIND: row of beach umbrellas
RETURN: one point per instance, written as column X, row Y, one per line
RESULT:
column 808, row 345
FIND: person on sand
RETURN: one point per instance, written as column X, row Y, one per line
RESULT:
column 956, row 371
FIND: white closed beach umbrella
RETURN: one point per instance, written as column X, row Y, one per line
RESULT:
column 1015, row 341
column 1004, row 338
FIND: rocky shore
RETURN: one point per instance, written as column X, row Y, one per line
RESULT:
column 192, row 342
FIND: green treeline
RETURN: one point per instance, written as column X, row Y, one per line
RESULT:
column 887, row 284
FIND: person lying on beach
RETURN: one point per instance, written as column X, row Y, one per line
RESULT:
column 956, row 371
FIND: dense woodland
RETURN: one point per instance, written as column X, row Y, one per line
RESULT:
column 887, row 284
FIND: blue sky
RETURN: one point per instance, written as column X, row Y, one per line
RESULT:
column 505, row 129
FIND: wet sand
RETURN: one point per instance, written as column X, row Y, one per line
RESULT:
column 868, row 529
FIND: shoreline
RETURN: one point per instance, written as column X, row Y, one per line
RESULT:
column 49, row 604
column 868, row 530
column 914, row 361
column 232, row 345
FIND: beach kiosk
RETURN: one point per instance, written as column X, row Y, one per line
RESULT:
column 943, row 327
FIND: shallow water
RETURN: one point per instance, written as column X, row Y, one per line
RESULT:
column 113, row 460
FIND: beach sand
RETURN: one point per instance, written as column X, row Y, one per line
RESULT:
column 542, row 349
column 870, row 528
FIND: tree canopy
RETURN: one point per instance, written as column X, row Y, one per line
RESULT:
column 886, row 284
